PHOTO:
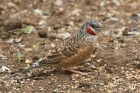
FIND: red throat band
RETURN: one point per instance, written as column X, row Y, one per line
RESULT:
column 90, row 31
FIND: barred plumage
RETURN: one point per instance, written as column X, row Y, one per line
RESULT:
column 74, row 50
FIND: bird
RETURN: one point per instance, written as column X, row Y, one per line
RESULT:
column 73, row 50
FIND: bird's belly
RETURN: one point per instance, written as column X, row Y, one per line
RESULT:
column 78, row 58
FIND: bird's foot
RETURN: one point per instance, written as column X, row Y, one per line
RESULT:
column 78, row 72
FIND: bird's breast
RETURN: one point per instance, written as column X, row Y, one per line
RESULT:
column 79, row 57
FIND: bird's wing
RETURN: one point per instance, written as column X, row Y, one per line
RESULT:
column 65, row 50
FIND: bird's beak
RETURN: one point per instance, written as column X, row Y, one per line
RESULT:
column 99, row 29
column 101, row 26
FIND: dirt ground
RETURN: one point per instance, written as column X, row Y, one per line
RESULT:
column 114, row 67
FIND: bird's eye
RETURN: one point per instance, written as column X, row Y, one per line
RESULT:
column 93, row 26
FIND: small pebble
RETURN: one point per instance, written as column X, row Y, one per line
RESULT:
column 38, row 11
column 27, row 61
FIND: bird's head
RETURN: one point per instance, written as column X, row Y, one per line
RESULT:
column 90, row 28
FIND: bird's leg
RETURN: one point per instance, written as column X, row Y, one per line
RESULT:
column 78, row 72
column 74, row 70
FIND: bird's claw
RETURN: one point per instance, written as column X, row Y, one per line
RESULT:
column 78, row 72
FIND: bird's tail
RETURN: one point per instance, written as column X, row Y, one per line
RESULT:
column 30, row 68
column 35, row 65
column 40, row 63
